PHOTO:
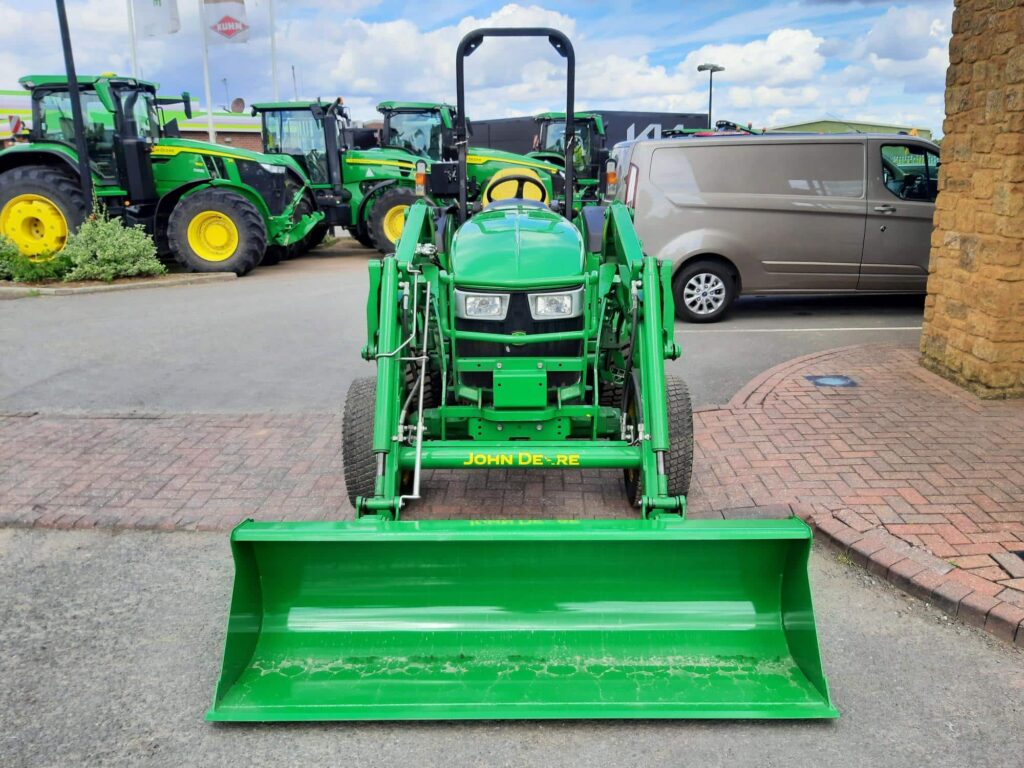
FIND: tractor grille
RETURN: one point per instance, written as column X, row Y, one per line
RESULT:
column 519, row 320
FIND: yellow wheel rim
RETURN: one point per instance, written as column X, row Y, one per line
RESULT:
column 394, row 222
column 35, row 224
column 213, row 236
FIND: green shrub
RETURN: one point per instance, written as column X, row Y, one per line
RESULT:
column 14, row 266
column 8, row 252
column 105, row 249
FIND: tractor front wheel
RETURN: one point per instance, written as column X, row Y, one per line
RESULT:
column 361, row 235
column 387, row 219
column 357, row 438
column 217, row 231
column 679, row 456
column 39, row 209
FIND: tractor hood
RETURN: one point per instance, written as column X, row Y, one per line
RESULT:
column 176, row 146
column 516, row 246
column 391, row 158
column 476, row 155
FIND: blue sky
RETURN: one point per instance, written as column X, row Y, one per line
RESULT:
column 786, row 60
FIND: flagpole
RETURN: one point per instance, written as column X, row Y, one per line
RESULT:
column 131, row 32
column 211, row 133
column 273, row 53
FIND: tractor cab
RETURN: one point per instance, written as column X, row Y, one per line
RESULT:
column 122, row 124
column 420, row 128
column 306, row 131
column 588, row 147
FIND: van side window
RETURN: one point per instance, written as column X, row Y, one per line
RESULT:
column 825, row 169
column 910, row 172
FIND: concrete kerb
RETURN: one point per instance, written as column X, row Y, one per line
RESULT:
column 27, row 291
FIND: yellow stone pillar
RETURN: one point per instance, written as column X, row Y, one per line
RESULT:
column 974, row 313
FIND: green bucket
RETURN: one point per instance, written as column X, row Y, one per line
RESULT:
column 663, row 618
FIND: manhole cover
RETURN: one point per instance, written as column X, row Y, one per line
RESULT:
column 831, row 381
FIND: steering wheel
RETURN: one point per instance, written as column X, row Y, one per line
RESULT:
column 521, row 180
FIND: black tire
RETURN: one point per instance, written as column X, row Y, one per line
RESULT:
column 316, row 236
column 55, row 184
column 711, row 304
column 252, row 231
column 360, row 235
column 274, row 254
column 679, row 457
column 394, row 197
column 357, row 438
column 431, row 387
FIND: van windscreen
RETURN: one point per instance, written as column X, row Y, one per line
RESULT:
column 813, row 169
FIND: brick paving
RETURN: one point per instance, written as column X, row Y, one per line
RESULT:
column 917, row 480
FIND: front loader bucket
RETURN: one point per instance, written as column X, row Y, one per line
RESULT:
column 661, row 618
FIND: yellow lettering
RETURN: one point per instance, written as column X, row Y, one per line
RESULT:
column 468, row 462
column 523, row 459
column 574, row 460
column 479, row 459
column 506, row 459
column 561, row 461
column 538, row 460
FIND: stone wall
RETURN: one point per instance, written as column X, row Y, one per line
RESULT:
column 974, row 314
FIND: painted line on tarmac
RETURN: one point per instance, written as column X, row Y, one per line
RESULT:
column 805, row 330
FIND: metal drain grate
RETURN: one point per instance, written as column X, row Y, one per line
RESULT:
column 831, row 381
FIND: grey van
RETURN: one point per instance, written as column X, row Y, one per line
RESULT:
column 782, row 214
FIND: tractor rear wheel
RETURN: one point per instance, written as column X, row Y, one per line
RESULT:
column 357, row 438
column 679, row 456
column 40, row 207
column 217, row 231
column 387, row 219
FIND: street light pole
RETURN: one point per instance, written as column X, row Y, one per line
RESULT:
column 710, row 69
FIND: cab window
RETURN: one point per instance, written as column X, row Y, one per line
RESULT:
column 910, row 172
column 417, row 132
column 298, row 133
column 56, row 124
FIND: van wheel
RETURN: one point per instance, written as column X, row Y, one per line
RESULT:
column 704, row 291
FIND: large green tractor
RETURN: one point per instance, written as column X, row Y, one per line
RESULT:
column 588, row 148
column 521, row 335
column 381, row 182
column 213, row 208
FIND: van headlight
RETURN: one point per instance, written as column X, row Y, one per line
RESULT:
column 481, row 306
column 553, row 306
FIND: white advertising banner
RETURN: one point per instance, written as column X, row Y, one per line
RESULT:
column 225, row 21
column 154, row 18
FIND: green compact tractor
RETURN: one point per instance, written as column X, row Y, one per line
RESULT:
column 588, row 149
column 214, row 208
column 521, row 334
column 380, row 183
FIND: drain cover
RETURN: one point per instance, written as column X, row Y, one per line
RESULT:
column 831, row 381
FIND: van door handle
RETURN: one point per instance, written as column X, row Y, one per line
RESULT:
column 885, row 208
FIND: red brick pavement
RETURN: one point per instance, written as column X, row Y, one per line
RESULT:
column 914, row 478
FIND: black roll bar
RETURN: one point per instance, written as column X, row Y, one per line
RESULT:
column 467, row 46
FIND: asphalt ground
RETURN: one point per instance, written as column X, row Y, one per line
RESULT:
column 287, row 338
column 112, row 645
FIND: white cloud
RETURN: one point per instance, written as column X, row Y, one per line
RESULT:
column 784, row 57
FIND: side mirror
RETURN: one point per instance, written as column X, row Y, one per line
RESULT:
column 186, row 100
column 172, row 130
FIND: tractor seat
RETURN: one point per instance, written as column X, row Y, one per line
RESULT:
column 502, row 187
